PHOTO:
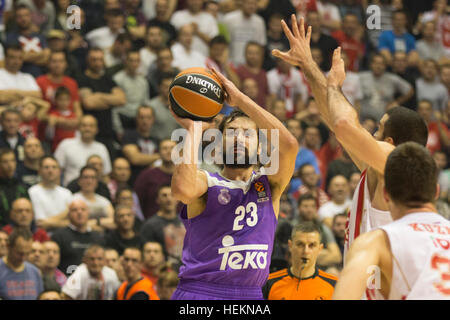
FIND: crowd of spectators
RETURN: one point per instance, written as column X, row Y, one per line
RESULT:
column 85, row 142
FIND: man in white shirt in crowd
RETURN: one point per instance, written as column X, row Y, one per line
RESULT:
column 153, row 42
column 340, row 200
column 73, row 153
column 204, row 25
column 244, row 25
column 16, row 85
column 185, row 53
column 104, row 37
column 49, row 199
column 92, row 280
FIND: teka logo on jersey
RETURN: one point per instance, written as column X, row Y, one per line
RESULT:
column 243, row 256
column 204, row 83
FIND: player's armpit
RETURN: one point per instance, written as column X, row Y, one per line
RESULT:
column 188, row 190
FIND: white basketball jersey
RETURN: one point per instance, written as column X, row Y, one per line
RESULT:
column 362, row 217
column 420, row 246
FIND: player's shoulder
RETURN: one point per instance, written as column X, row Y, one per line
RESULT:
column 327, row 275
column 278, row 274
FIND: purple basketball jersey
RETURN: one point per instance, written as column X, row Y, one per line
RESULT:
column 231, row 241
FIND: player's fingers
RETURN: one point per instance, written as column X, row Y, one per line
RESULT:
column 283, row 56
column 308, row 34
column 294, row 23
column 287, row 32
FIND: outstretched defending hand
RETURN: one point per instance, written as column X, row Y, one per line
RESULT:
column 336, row 76
column 232, row 93
column 299, row 53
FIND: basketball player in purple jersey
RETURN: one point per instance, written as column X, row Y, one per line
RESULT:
column 231, row 216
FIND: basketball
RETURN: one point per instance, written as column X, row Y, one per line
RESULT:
column 197, row 94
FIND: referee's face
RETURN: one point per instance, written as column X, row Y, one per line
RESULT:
column 305, row 248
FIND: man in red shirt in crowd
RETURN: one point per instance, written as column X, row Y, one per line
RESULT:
column 349, row 40
column 438, row 135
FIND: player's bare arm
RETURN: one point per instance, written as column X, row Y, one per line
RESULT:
column 188, row 183
column 354, row 138
column 287, row 146
column 369, row 250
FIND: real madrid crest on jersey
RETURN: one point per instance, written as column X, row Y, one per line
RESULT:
column 261, row 191
column 224, row 197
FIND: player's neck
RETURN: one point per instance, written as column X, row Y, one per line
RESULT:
column 399, row 211
column 241, row 174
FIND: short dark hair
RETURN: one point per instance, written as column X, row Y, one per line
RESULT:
column 61, row 91
column 253, row 43
column 87, row 167
column 9, row 110
column 405, row 125
column 218, row 40
column 162, row 187
column 48, row 156
column 305, row 197
column 306, row 227
column 303, row 166
column 411, row 175
column 339, row 215
column 13, row 47
column 19, row 232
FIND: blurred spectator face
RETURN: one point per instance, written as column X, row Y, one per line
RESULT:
column 275, row 24
column 305, row 246
column 115, row 23
column 400, row 62
column 23, row 18
column 88, row 180
column 429, row 30
column 313, row 20
column 212, row 8
column 338, row 226
column 250, row 88
column 307, row 209
column 3, row 244
column 309, row 176
column 425, row 110
column 312, row 138
column 441, row 159
column 8, row 165
column 97, row 163
column 165, row 150
column 38, row 255
column 370, row 125
column 53, row 255
column 134, row 4
column 164, row 60
column 249, row 7
column 154, row 37
column 350, row 24
column 279, row 110
column 57, row 63
column 317, row 55
column 19, row 252
column 185, row 36
column 161, row 8
column 429, row 70
column 132, row 63
column 445, row 75
column 164, row 88
column 354, row 180
column 28, row 112
column 399, row 21
column 111, row 4
column 125, row 218
column 88, row 128
column 112, row 258
column 195, row 5
column 125, row 198
column 13, row 60
column 294, row 128
column 168, row 285
column 121, row 170
column 132, row 263
column 165, row 200
column 153, row 255
column 33, row 149
column 49, row 171
column 217, row 50
column 22, row 213
column 50, row 295
column 62, row 101
column 56, row 44
column 254, row 56
column 378, row 66
column 63, row 4
column 95, row 61
column 145, row 119
column 78, row 214
column 283, row 66
column 121, row 47
column 339, row 189
column 10, row 123
column 95, row 261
